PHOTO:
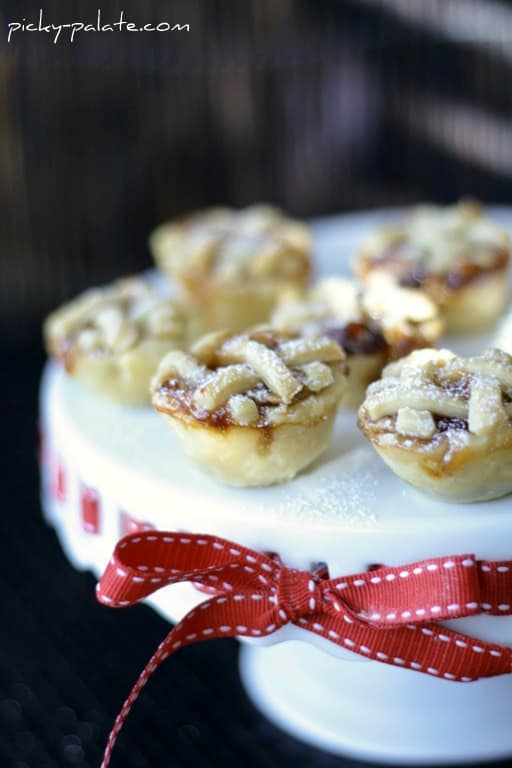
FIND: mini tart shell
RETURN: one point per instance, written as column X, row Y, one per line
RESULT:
column 478, row 471
column 470, row 296
column 443, row 422
column 124, row 377
column 363, row 369
column 258, row 455
column 470, row 308
column 219, row 301
column 237, row 307
column 477, row 305
column 251, row 456
column 503, row 336
column 121, row 375
column 282, row 438
column 369, row 339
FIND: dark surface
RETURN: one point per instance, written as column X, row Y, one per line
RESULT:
column 67, row 663
column 317, row 105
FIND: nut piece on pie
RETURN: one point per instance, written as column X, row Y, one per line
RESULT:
column 456, row 254
column 373, row 324
column 112, row 338
column 252, row 409
column 444, row 423
column 233, row 265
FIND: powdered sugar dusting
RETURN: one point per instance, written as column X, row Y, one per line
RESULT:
column 345, row 490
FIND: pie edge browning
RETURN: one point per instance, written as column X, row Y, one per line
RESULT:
column 263, row 454
column 174, row 235
column 123, row 374
column 461, row 302
column 328, row 396
column 480, row 468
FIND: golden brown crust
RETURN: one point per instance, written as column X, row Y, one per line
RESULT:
column 256, row 380
column 503, row 337
column 379, row 316
column 112, row 338
column 232, row 266
column 444, row 251
column 435, row 418
column 253, row 409
column 373, row 324
column 229, row 247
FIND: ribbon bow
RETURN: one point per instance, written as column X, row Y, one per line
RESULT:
column 387, row 614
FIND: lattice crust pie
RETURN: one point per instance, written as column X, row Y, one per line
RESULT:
column 253, row 409
column 456, row 254
column 112, row 338
column 444, row 423
column 233, row 265
column 373, row 324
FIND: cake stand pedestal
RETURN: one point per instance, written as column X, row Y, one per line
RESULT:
column 374, row 712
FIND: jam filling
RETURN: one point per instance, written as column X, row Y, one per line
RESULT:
column 179, row 395
column 466, row 272
column 357, row 339
column 414, row 278
column 413, row 274
column 445, row 423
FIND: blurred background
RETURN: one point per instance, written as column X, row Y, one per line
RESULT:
column 319, row 106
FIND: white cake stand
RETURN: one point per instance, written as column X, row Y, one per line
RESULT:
column 109, row 469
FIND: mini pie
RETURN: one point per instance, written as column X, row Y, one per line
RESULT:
column 444, row 423
column 253, row 409
column 456, row 254
column 233, row 265
column 112, row 338
column 374, row 324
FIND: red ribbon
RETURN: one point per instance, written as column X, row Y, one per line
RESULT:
column 387, row 614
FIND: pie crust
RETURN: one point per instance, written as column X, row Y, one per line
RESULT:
column 375, row 323
column 112, row 338
column 252, row 409
column 444, row 423
column 232, row 266
column 456, row 254
column 503, row 337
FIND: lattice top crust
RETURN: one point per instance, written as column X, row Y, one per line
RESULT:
column 456, row 242
column 434, row 395
column 258, row 243
column 379, row 316
column 113, row 320
column 258, row 379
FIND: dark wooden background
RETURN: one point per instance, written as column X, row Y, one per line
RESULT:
column 319, row 106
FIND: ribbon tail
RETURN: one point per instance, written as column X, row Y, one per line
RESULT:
column 223, row 616
column 158, row 657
